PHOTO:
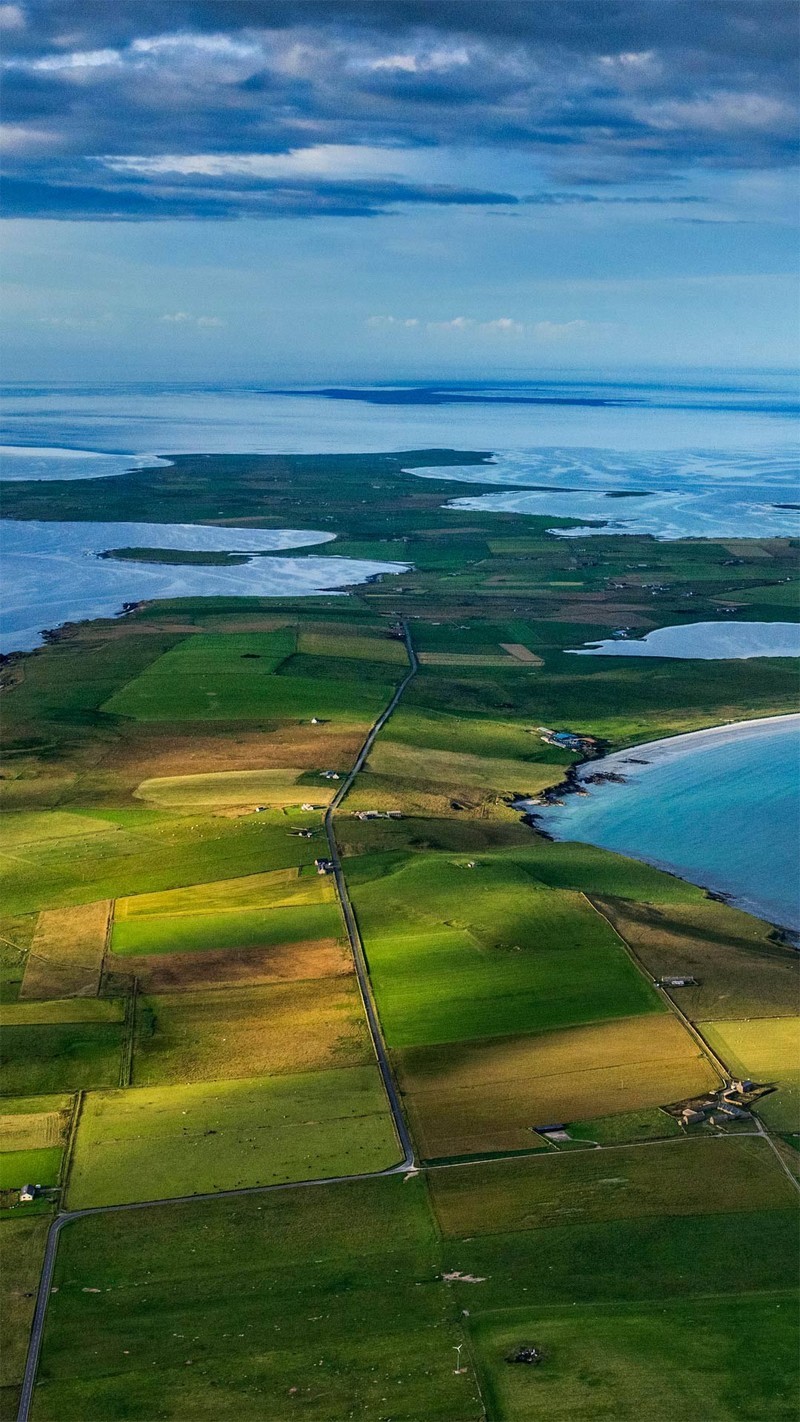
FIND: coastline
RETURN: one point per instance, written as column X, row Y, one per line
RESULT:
column 705, row 738
column 627, row 766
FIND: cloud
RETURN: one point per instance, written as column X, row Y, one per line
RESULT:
column 134, row 96
column 145, row 200
column 184, row 318
column 385, row 323
column 12, row 17
column 499, row 326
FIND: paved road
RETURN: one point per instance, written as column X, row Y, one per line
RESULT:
column 353, row 931
column 404, row 1139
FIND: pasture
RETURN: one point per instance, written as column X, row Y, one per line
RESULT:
column 684, row 1177
column 218, row 677
column 235, row 787
column 461, row 948
column 250, row 1031
column 67, row 950
column 258, row 910
column 650, row 1360
column 768, row 1050
column 740, row 970
column 22, row 1243
column 393, row 759
column 236, row 967
column 476, row 1097
column 60, row 1046
column 34, row 1122
column 160, row 1142
column 241, row 1288
column 626, row 1260
column 141, row 851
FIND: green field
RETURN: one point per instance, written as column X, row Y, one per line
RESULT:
column 242, row 928
column 250, row 1031
column 464, row 952
column 668, row 1362
column 768, row 1050
column 233, row 787
column 22, row 1167
column 142, row 851
column 59, row 1056
column 211, row 678
column 325, row 1304
column 22, row 1242
column 156, row 1142
column 678, row 1178
column 222, row 1043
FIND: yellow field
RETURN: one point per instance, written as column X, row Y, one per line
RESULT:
column 231, row 967
column 233, row 787
column 521, row 653
column 489, row 1096
column 740, row 971
column 766, row 1049
column 455, row 768
column 32, row 1130
column 66, row 956
column 280, row 888
column 250, row 1031
column 465, row 659
column 353, row 647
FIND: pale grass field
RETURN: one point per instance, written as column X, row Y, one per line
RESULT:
column 467, row 1098
column 66, row 955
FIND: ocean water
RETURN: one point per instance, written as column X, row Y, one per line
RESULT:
column 703, row 641
column 52, row 572
column 720, row 808
column 669, row 493
column 30, row 462
column 675, row 459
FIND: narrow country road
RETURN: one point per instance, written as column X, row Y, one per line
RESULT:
column 393, row 1096
column 353, row 931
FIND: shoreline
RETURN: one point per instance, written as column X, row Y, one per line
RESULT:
column 658, row 753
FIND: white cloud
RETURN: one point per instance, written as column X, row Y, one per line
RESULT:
column 500, row 326
column 323, row 160
column 436, row 61
column 76, row 323
column 12, row 17
column 631, row 59
column 78, row 59
column 382, row 323
column 219, row 46
column 26, row 138
column 185, row 318
column 719, row 113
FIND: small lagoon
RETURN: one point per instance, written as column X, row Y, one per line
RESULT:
column 720, row 808
column 703, row 641
column 22, row 462
column 54, row 572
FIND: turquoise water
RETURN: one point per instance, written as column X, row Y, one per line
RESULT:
column 721, row 809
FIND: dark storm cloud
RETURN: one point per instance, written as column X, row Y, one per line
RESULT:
column 593, row 93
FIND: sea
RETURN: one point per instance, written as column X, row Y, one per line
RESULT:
column 719, row 807
column 681, row 454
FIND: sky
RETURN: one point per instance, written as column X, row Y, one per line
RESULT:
column 315, row 190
